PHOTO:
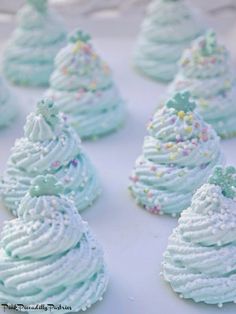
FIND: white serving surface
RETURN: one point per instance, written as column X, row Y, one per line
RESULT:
column 133, row 239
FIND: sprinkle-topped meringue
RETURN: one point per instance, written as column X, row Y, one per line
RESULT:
column 199, row 261
column 167, row 30
column 206, row 71
column 48, row 255
column 49, row 146
column 83, row 88
column 179, row 153
column 29, row 55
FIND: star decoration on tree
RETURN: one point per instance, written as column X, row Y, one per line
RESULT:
column 45, row 185
column 39, row 5
column 209, row 44
column 226, row 179
column 181, row 102
column 79, row 35
column 47, row 109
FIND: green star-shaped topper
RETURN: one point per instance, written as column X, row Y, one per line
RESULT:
column 181, row 102
column 45, row 185
column 46, row 108
column 79, row 35
column 226, row 179
column 39, row 5
column 209, row 44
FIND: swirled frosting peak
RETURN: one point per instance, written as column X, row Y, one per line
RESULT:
column 29, row 55
column 45, row 123
column 179, row 152
column 48, row 255
column 206, row 71
column 199, row 262
column 83, row 88
column 50, row 146
column 167, row 30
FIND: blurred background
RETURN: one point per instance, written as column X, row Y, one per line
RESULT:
column 122, row 17
column 130, row 12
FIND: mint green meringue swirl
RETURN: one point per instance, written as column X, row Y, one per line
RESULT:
column 48, row 256
column 83, row 88
column 54, row 149
column 211, row 81
column 178, row 155
column 30, row 52
column 199, row 261
column 167, row 30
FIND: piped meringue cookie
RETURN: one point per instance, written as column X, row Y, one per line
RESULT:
column 50, row 146
column 8, row 110
column 178, row 155
column 48, row 255
column 83, row 88
column 199, row 262
column 167, row 30
column 207, row 72
column 30, row 52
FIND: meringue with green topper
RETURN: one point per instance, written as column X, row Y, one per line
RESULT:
column 83, row 88
column 49, row 146
column 48, row 254
column 8, row 108
column 179, row 153
column 199, row 262
column 207, row 71
column 168, row 28
column 29, row 55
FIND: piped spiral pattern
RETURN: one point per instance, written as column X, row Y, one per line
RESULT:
column 30, row 52
column 179, row 152
column 167, row 30
column 199, row 262
column 207, row 73
column 49, row 256
column 83, row 88
column 49, row 146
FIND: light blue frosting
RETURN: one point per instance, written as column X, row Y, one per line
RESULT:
column 179, row 152
column 205, row 69
column 83, row 88
column 199, row 261
column 48, row 255
column 167, row 30
column 49, row 146
column 30, row 52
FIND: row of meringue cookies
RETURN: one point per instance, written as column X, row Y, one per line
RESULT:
column 174, row 44
column 48, row 255
column 39, row 55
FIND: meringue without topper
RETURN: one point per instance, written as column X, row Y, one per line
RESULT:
column 29, row 55
column 168, row 28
